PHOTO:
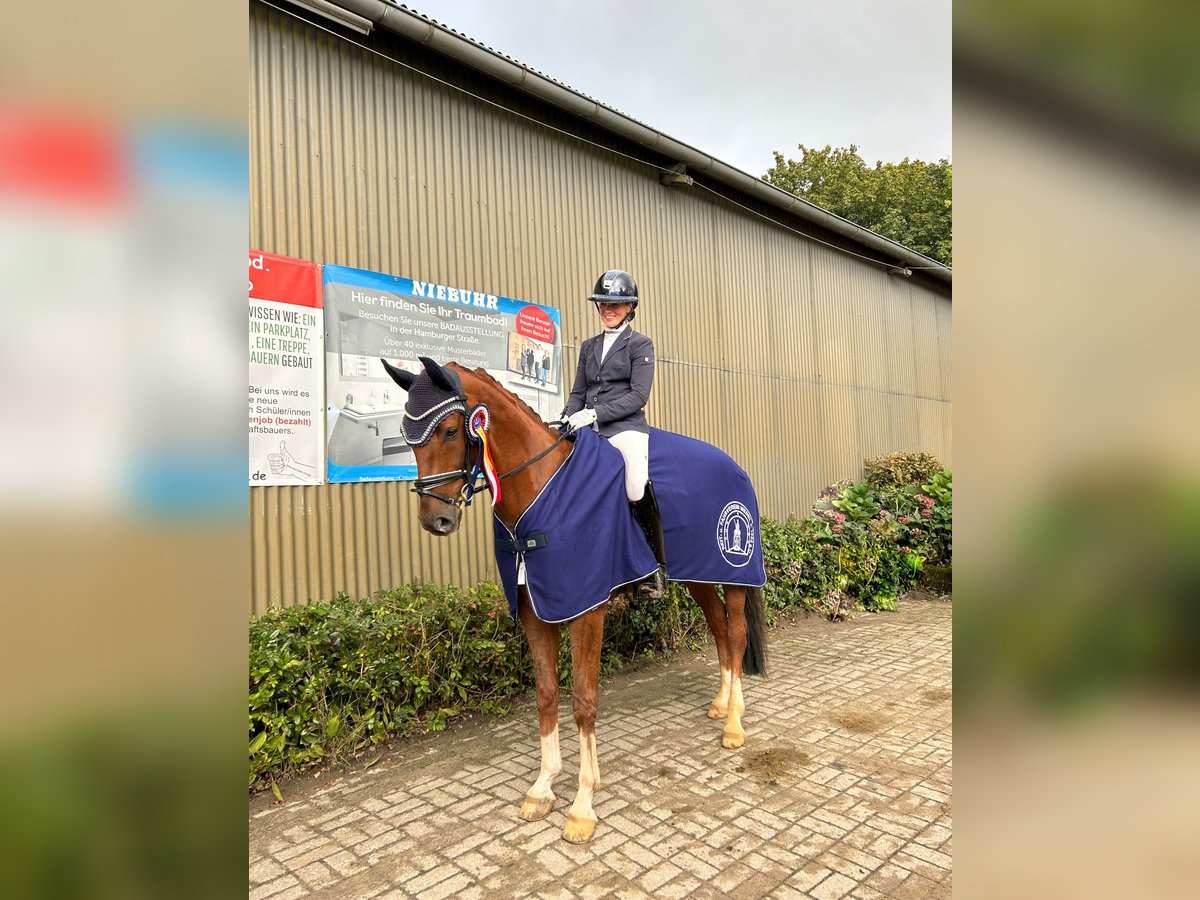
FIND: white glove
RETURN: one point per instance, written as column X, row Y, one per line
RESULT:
column 581, row 419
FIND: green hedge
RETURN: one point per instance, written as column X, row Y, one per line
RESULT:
column 328, row 680
column 866, row 542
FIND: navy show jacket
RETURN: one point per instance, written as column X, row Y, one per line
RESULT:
column 618, row 388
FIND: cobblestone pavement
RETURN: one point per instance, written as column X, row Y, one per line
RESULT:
column 842, row 790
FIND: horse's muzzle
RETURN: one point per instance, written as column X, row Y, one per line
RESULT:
column 442, row 520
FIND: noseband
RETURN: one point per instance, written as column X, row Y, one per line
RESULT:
column 470, row 473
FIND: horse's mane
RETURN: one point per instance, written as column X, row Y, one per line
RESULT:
column 513, row 400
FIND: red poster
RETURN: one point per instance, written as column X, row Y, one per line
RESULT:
column 284, row 279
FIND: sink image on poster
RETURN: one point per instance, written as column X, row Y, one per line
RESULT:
column 365, row 435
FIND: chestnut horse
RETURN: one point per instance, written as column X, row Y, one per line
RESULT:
column 528, row 452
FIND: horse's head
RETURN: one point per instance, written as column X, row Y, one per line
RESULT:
column 435, row 428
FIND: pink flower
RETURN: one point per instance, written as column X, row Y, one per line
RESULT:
column 903, row 520
column 839, row 517
column 492, row 614
column 925, row 513
column 915, row 531
column 837, row 529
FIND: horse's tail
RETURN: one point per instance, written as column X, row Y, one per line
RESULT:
column 754, row 660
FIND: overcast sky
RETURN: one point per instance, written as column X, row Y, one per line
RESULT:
column 740, row 78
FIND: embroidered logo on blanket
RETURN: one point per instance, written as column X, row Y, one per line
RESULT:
column 735, row 534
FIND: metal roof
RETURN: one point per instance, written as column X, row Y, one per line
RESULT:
column 418, row 27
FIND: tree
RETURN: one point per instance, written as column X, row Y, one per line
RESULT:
column 909, row 201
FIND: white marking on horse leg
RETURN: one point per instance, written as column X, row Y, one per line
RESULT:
column 581, row 818
column 720, row 704
column 734, row 735
column 595, row 757
column 540, row 799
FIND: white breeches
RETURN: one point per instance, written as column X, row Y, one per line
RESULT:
column 635, row 448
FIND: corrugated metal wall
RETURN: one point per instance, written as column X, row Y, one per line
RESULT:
column 797, row 359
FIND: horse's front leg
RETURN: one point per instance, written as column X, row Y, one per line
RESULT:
column 543, row 644
column 586, row 634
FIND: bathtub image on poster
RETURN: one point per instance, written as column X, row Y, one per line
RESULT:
column 369, row 316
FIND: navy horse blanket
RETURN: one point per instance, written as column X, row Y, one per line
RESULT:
column 578, row 541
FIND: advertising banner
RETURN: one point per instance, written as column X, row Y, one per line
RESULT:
column 371, row 316
column 287, row 334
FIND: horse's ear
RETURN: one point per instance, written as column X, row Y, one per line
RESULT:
column 439, row 376
column 402, row 378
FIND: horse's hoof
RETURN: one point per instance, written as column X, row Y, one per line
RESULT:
column 715, row 712
column 731, row 740
column 535, row 808
column 577, row 830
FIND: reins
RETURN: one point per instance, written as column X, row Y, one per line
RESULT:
column 529, row 462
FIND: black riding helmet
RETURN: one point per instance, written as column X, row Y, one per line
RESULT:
column 616, row 286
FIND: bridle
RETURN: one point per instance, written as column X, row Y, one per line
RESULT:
column 470, row 472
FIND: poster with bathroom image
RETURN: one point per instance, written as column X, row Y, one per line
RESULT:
column 287, row 337
column 371, row 316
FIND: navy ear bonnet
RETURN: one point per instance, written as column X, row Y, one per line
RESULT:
column 429, row 403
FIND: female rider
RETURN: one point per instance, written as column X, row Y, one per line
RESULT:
column 612, row 385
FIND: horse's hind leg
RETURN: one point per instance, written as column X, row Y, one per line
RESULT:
column 543, row 642
column 706, row 597
column 586, row 633
column 735, row 609
column 728, row 625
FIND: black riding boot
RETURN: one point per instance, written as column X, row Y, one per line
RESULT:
column 645, row 511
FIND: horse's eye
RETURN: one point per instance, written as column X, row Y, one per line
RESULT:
column 451, row 433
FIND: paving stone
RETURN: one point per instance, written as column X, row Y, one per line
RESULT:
column 623, row 865
column 808, row 876
column 273, row 888
column 861, row 815
column 787, row 892
column 451, row 887
column 427, row 880
column 265, row 870
column 348, row 837
column 554, row 861
column 678, row 888
column 292, row 893
column 375, row 827
column 731, row 876
column 933, row 857
column 696, row 866
column 834, row 887
column 286, row 853
column 466, row 844
column 344, row 863
column 659, row 875
column 317, row 875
